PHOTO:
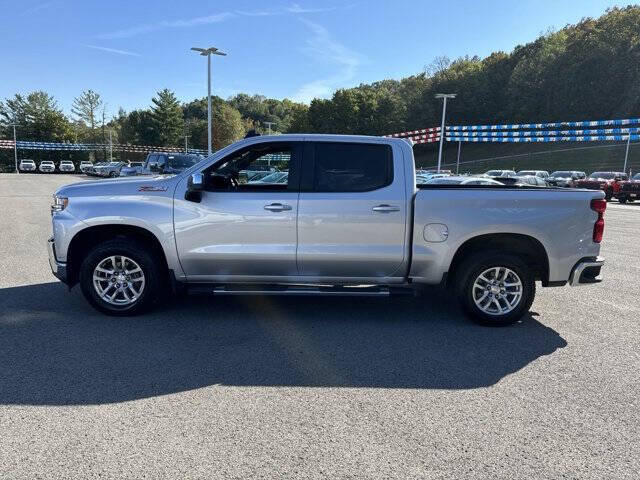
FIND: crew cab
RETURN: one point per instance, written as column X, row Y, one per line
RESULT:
column 47, row 166
column 629, row 189
column 348, row 220
column 27, row 165
column 608, row 182
column 67, row 166
column 85, row 165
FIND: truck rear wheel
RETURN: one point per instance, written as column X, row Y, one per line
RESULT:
column 120, row 277
column 495, row 289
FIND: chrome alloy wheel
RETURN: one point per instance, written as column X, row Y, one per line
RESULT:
column 497, row 291
column 118, row 280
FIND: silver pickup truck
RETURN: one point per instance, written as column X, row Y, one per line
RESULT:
column 348, row 220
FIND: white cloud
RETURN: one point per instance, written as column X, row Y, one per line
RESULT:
column 324, row 48
column 152, row 27
column 114, row 50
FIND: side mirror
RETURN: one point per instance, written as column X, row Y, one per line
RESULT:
column 195, row 187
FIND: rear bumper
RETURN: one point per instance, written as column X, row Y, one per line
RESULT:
column 59, row 269
column 586, row 272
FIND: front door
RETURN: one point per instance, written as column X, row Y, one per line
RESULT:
column 245, row 224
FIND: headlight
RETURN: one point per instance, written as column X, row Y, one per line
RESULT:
column 59, row 204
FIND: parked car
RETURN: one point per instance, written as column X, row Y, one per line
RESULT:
column 169, row 163
column 349, row 220
column 131, row 170
column 565, row 178
column 47, row 166
column 534, row 180
column 536, row 173
column 111, row 169
column 608, row 182
column 85, row 165
column 67, row 166
column 500, row 173
column 273, row 178
column 425, row 177
column 461, row 180
column 629, row 189
column 91, row 170
column 27, row 165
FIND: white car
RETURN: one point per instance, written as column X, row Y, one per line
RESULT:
column 500, row 173
column 85, row 165
column 462, row 181
column 47, row 166
column 27, row 165
column 67, row 166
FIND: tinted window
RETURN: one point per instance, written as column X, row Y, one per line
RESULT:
column 350, row 167
column 152, row 161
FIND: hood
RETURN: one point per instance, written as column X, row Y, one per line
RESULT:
column 120, row 186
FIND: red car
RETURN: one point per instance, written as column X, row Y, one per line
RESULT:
column 629, row 190
column 608, row 182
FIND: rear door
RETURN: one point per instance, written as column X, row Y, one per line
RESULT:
column 352, row 215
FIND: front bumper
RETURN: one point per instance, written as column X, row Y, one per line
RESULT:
column 59, row 269
column 586, row 272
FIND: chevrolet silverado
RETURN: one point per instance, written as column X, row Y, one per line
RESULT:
column 349, row 220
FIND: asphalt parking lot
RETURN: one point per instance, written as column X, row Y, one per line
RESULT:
column 313, row 388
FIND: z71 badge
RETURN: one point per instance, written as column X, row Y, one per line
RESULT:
column 152, row 188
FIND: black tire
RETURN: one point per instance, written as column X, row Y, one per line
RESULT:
column 151, row 268
column 113, row 174
column 622, row 199
column 607, row 196
column 471, row 268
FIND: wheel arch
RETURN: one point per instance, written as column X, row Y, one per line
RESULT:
column 527, row 247
column 91, row 236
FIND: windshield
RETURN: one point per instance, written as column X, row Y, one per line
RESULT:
column 276, row 177
column 636, row 176
column 562, row 174
column 526, row 172
column 605, row 175
column 136, row 164
column 182, row 162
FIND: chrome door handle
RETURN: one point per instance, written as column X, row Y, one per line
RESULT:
column 277, row 207
column 386, row 208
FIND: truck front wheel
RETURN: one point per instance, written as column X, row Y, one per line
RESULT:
column 495, row 289
column 120, row 277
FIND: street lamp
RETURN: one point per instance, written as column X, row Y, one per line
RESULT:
column 444, row 96
column 268, row 124
column 15, row 144
column 207, row 52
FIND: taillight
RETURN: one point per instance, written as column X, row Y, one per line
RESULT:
column 598, row 205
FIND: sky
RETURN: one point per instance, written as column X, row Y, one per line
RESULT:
column 128, row 50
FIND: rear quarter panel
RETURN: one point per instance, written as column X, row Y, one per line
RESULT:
column 561, row 220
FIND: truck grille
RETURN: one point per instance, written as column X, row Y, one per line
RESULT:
column 630, row 187
column 590, row 185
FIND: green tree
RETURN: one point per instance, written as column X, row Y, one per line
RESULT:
column 39, row 117
column 87, row 108
column 168, row 122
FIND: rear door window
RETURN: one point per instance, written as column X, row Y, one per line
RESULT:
column 351, row 167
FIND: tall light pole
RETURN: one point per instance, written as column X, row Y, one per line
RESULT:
column 444, row 96
column 207, row 52
column 268, row 124
column 15, row 145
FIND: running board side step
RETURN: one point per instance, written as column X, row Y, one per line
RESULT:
column 297, row 290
